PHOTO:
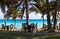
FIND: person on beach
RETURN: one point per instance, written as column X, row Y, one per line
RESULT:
column 29, row 28
column 32, row 27
column 25, row 27
column 11, row 27
column 3, row 27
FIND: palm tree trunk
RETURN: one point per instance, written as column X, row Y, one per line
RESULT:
column 43, row 20
column 5, row 23
column 48, row 15
column 27, row 15
column 14, row 23
column 55, row 20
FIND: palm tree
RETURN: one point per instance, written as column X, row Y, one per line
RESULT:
column 13, row 14
column 27, row 15
column 25, row 6
column 43, row 19
column 3, row 3
column 40, row 7
column 48, row 15
column 44, row 8
column 7, row 3
column 55, row 20
column 54, row 8
column 51, row 8
column 12, row 10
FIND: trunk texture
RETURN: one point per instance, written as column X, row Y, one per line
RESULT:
column 27, row 15
column 48, row 15
column 55, row 20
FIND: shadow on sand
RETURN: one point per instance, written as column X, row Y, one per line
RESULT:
column 22, row 35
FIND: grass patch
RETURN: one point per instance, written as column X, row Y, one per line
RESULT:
column 18, row 35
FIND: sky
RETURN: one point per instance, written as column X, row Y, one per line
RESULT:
column 32, row 15
column 1, row 15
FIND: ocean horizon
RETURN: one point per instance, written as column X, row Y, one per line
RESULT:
column 19, row 22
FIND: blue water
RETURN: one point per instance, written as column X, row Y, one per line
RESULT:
column 19, row 23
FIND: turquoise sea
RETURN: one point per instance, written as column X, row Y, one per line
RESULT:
column 19, row 23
